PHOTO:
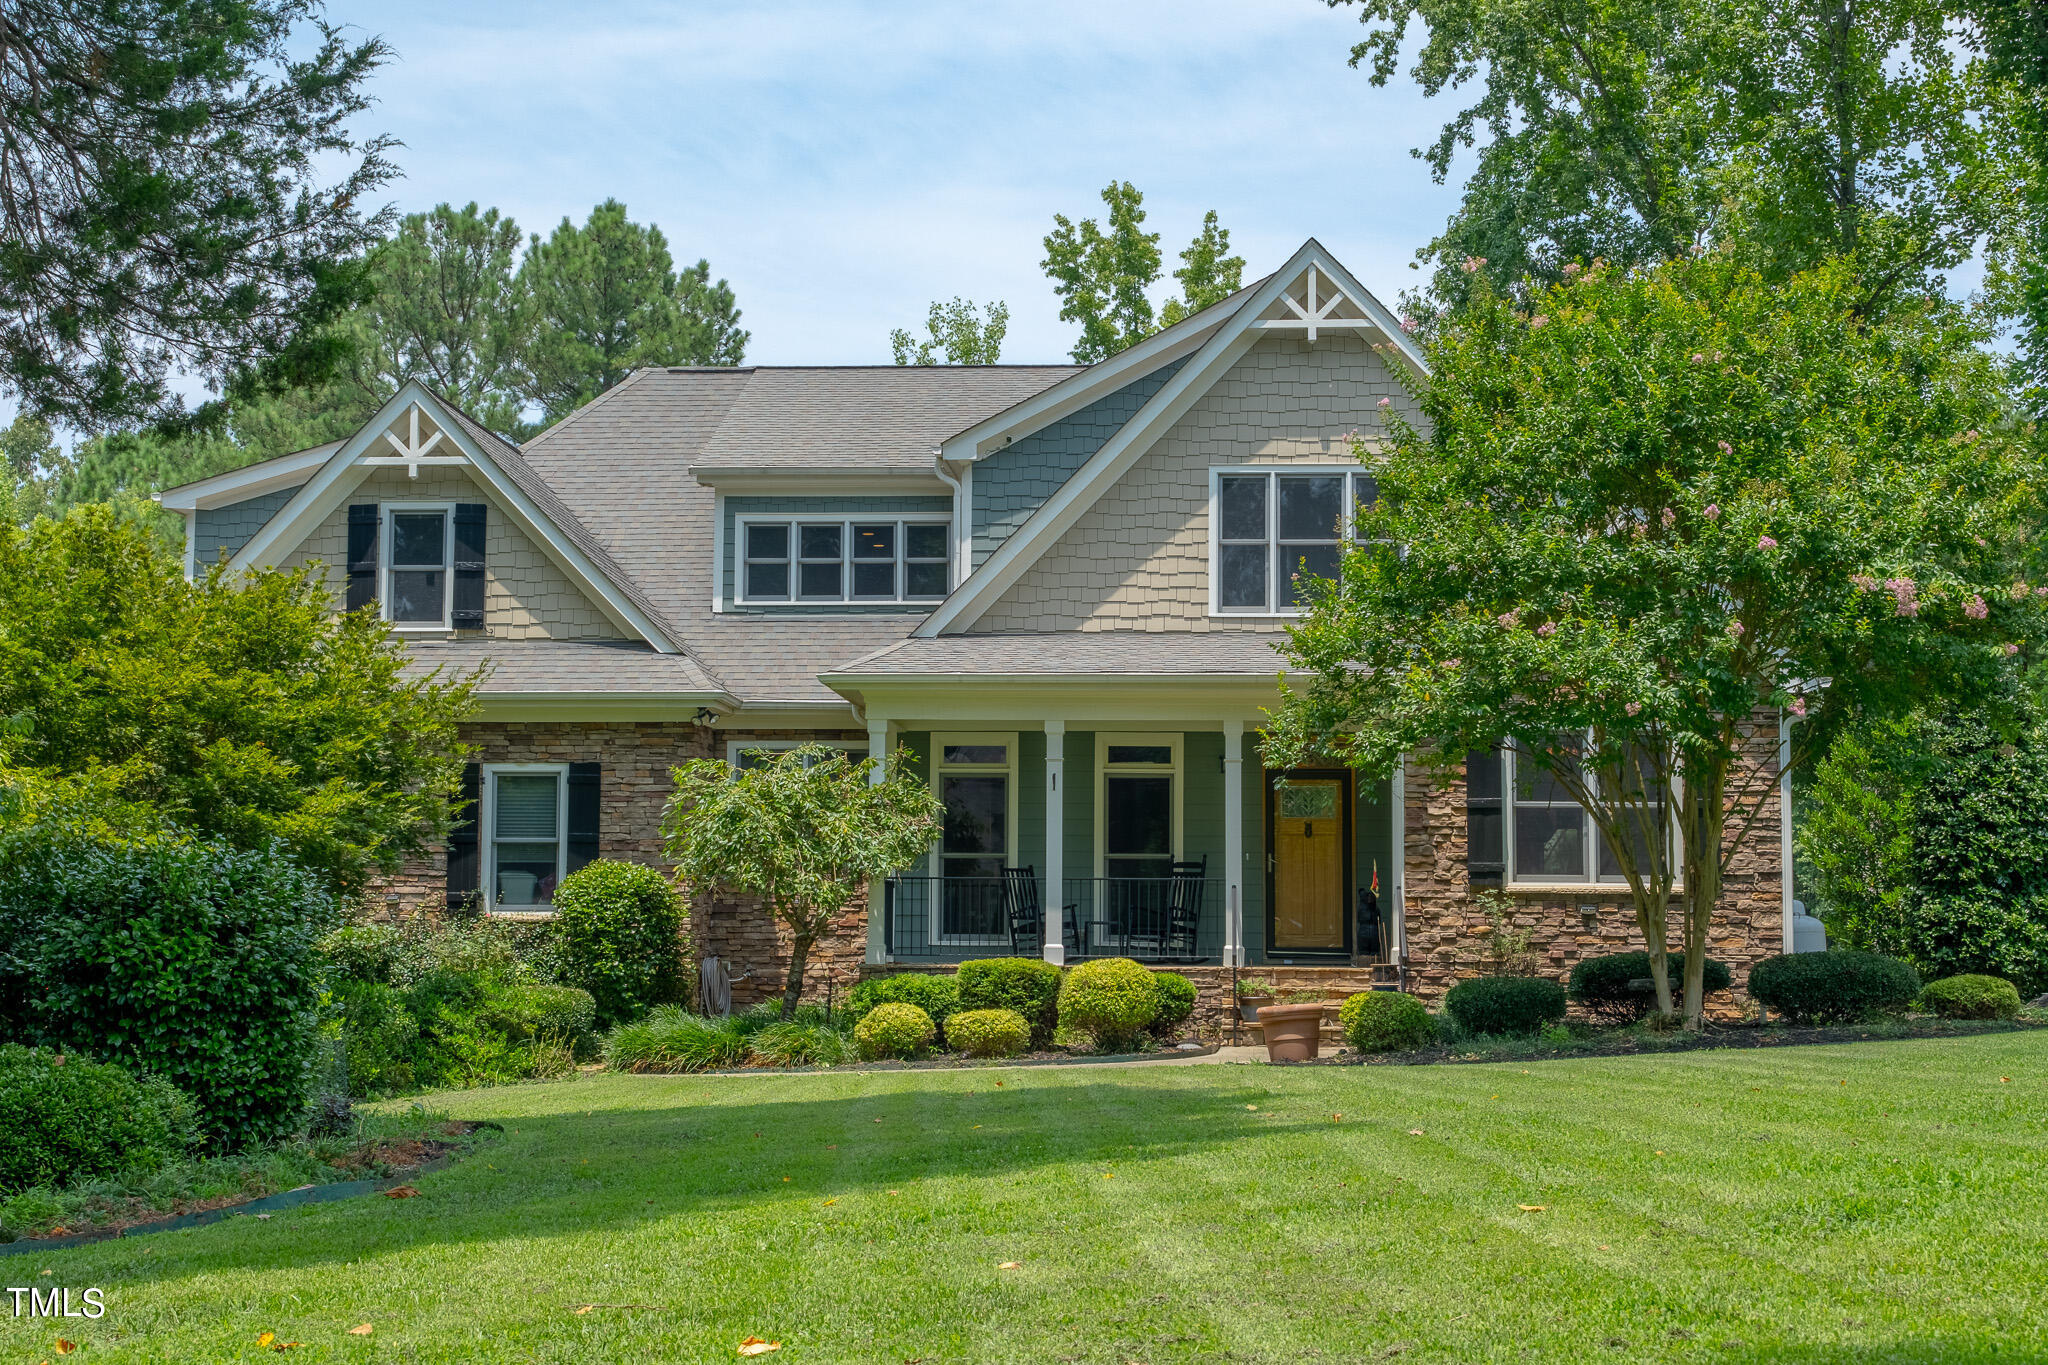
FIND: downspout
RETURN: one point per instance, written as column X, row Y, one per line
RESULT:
column 959, row 487
column 1785, row 826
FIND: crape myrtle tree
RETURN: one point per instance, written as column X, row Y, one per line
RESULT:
column 805, row 832
column 1645, row 512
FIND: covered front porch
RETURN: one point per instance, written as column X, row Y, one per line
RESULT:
column 1127, row 814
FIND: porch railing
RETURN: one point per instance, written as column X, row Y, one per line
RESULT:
column 1152, row 919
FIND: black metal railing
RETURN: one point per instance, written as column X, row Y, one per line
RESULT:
column 952, row 919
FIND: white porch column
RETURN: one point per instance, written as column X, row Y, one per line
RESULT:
column 1055, row 896
column 1233, row 843
column 1397, row 879
column 878, row 749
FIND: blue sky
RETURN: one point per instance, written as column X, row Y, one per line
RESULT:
column 844, row 164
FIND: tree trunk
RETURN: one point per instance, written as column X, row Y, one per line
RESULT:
column 1655, row 923
column 1705, row 795
column 793, row 989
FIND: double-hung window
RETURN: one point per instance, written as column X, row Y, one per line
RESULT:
column 811, row 560
column 975, row 778
column 525, row 827
column 1272, row 530
column 416, row 568
column 1523, row 824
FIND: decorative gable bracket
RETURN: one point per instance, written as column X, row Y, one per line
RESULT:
column 414, row 449
column 1315, row 303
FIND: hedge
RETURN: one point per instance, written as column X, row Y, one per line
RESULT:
column 1834, row 987
column 1112, row 999
column 937, row 996
column 1505, row 1004
column 1600, row 985
column 1028, row 985
column 68, row 1119
column 988, row 1033
column 894, row 1029
column 1386, row 1021
column 1971, row 997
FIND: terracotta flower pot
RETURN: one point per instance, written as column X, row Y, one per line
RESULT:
column 1248, row 1006
column 1293, row 1033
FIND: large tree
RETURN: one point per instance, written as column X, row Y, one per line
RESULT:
column 606, row 299
column 1645, row 514
column 805, row 833
column 1104, row 275
column 2015, row 37
column 1635, row 131
column 180, row 191
column 445, row 309
column 238, row 707
column 956, row 334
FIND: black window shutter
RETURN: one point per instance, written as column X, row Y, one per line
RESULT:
column 586, row 781
column 465, row 866
column 468, row 609
column 362, row 554
column 1485, row 858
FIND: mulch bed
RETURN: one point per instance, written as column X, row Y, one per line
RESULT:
column 1631, row 1044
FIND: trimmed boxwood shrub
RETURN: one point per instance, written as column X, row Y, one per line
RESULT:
column 1028, row 985
column 1600, row 985
column 185, row 959
column 937, row 996
column 1834, row 987
column 559, row 1012
column 894, row 1029
column 68, row 1118
column 1176, row 1002
column 1386, row 1021
column 1112, row 999
column 1505, row 1004
column 618, row 934
column 988, row 1033
column 1971, row 997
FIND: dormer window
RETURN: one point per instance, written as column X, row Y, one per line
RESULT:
column 805, row 560
column 417, row 569
column 1273, row 530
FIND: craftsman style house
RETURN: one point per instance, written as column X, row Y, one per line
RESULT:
column 1059, row 588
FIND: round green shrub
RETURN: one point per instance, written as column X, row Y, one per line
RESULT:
column 1505, row 1004
column 1176, row 1002
column 1834, row 987
column 1113, row 999
column 1028, row 985
column 937, row 996
column 1386, row 1021
column 560, row 1012
column 1971, row 997
column 68, row 1119
column 618, row 934
column 988, row 1033
column 894, row 1029
column 1600, row 985
column 175, row 957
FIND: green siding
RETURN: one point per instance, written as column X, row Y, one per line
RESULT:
column 1254, row 858
column 225, row 530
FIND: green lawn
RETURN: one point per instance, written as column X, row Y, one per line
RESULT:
column 1874, row 1202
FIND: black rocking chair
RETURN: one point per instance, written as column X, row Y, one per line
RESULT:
column 1184, row 905
column 1027, row 918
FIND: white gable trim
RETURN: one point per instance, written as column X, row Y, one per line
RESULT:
column 250, row 481
column 1057, row 515
column 346, row 469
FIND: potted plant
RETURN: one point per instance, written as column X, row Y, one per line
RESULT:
column 1252, row 993
column 1293, row 1028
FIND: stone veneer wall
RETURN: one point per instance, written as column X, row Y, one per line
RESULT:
column 637, row 757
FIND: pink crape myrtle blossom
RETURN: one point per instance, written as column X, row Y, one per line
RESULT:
column 1539, row 322
column 1386, row 402
column 1798, row 706
column 1864, row 582
column 1726, row 449
column 1634, row 708
column 1766, row 543
column 2019, row 592
column 2011, row 649
column 1472, row 264
column 1547, row 629
column 1712, row 512
column 1905, row 596
column 1670, row 518
column 1735, row 628
column 1510, row 618
column 1975, row 608
column 1452, row 663
column 1698, row 359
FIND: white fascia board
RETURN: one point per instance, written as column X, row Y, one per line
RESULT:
column 595, row 706
column 344, row 472
column 1085, row 701
column 756, row 482
column 1370, row 306
column 1075, row 392
column 251, row 481
column 790, row 715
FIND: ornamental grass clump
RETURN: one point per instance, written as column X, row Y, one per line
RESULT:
column 1505, row 1004
column 798, row 1043
column 1386, row 1021
column 1834, row 987
column 1113, row 1000
column 671, row 1039
column 988, row 1033
column 1971, row 997
column 1028, row 985
column 894, row 1030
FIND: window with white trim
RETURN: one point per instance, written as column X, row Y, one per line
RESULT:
column 1523, row 823
column 1138, row 804
column 975, row 778
column 743, row 754
column 808, row 559
column 417, row 577
column 526, row 832
column 1271, row 529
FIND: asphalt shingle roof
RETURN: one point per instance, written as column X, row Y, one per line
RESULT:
column 1068, row 653
column 546, row 666
column 622, row 463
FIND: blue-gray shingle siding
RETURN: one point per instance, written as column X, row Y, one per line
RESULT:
column 1015, row 481
column 219, row 530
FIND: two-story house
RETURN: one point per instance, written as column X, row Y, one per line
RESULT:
column 1058, row 588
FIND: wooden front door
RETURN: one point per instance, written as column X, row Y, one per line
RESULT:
column 1309, row 838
